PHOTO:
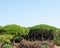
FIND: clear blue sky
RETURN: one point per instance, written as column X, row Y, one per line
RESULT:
column 30, row 12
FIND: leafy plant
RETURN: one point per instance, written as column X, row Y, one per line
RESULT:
column 7, row 46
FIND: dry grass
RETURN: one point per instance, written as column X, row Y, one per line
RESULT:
column 34, row 44
column 29, row 44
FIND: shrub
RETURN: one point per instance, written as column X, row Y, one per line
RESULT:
column 7, row 46
column 57, row 42
column 6, row 38
column 17, row 39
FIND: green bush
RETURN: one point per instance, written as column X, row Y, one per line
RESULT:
column 6, row 38
column 7, row 46
column 17, row 39
column 57, row 42
column 44, row 45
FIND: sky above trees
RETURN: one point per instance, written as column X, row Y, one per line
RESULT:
column 30, row 12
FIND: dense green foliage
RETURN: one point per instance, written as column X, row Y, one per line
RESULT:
column 7, row 46
column 38, row 32
column 17, row 39
column 5, row 38
column 14, row 29
column 42, row 31
column 41, row 34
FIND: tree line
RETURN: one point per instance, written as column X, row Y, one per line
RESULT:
column 38, row 32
